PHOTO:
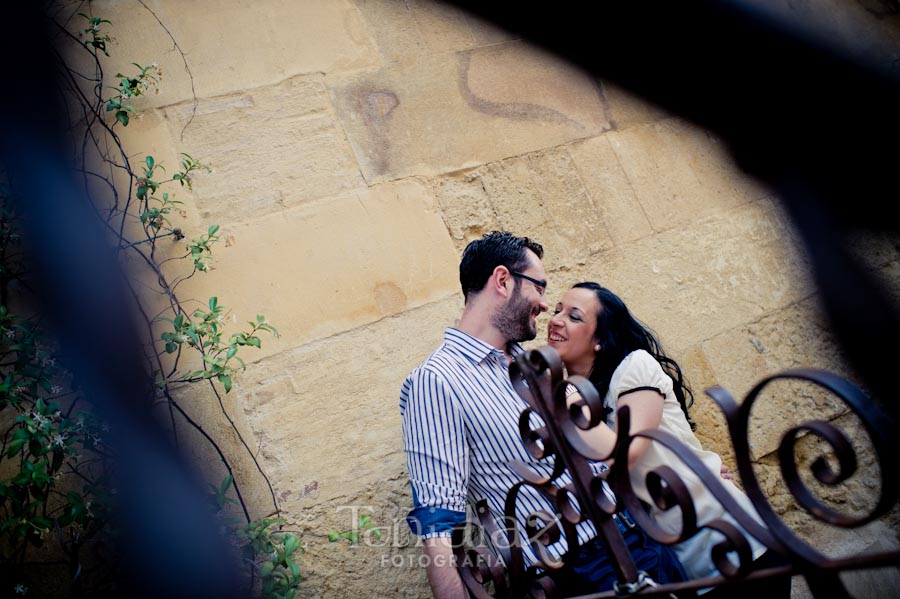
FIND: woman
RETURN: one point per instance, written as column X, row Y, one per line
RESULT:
column 598, row 338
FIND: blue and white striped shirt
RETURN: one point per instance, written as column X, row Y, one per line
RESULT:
column 460, row 430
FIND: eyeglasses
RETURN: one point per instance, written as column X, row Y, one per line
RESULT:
column 541, row 285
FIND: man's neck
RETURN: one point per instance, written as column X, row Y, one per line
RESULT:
column 478, row 324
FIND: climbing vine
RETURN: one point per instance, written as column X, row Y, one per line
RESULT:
column 57, row 469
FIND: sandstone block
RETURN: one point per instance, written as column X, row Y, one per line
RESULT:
column 337, row 428
column 796, row 336
column 627, row 109
column 573, row 215
column 270, row 148
column 679, row 172
column 691, row 284
column 613, row 195
column 540, row 195
column 335, row 264
column 443, row 27
column 267, row 42
column 406, row 31
column 482, row 105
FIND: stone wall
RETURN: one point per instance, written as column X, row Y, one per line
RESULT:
column 357, row 146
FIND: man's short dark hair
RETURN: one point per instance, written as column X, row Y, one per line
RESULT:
column 496, row 248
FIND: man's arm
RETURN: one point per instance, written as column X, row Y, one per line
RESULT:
column 437, row 461
column 442, row 575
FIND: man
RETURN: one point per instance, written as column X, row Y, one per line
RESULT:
column 460, row 419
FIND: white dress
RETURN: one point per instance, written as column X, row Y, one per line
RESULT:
column 640, row 369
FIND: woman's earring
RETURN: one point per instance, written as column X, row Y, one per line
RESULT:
column 597, row 347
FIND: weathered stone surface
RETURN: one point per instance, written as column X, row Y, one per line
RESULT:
column 233, row 46
column 333, row 265
column 679, row 172
column 712, row 430
column 793, row 337
column 511, row 98
column 613, row 194
column 326, row 419
column 693, row 283
column 405, row 31
column 627, row 110
column 539, row 192
column 270, row 148
column 392, row 26
column 444, row 27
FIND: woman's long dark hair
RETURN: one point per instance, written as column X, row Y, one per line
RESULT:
column 619, row 333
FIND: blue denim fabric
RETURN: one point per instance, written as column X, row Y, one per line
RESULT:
column 424, row 520
column 592, row 569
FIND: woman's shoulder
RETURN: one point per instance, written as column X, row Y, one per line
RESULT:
column 637, row 369
column 639, row 358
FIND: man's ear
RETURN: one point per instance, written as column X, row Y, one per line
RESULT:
column 501, row 281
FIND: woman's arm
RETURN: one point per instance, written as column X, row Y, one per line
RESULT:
column 646, row 408
column 646, row 413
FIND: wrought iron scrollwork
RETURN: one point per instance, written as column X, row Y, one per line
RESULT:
column 574, row 490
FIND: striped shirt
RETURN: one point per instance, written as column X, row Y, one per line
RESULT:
column 460, row 430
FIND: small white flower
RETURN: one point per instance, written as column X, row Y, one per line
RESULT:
column 10, row 334
column 59, row 440
column 55, row 389
column 39, row 419
column 21, row 589
column 105, row 427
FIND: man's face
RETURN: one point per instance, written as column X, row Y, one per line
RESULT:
column 517, row 318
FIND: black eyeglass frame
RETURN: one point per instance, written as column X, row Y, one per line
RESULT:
column 542, row 285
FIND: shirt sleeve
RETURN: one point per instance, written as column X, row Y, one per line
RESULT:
column 641, row 372
column 437, row 454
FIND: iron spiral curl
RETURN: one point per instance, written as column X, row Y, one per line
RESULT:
column 874, row 422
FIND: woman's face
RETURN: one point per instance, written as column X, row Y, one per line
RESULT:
column 571, row 329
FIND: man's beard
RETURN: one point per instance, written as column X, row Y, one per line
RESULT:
column 514, row 319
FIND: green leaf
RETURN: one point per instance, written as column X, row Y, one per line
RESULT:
column 292, row 565
column 291, row 543
column 226, row 381
column 213, row 229
column 14, row 447
column 122, row 117
column 265, row 569
column 149, row 161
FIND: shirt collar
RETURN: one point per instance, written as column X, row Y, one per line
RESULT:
column 475, row 349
